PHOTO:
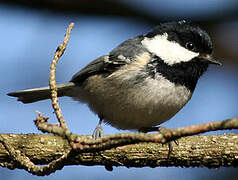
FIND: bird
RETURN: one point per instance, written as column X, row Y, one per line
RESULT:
column 141, row 83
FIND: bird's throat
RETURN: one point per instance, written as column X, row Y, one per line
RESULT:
column 183, row 73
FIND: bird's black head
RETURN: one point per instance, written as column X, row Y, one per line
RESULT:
column 182, row 52
column 190, row 36
column 180, row 41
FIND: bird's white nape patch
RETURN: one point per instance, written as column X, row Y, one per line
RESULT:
column 170, row 51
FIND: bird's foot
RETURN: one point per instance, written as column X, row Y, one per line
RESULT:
column 98, row 131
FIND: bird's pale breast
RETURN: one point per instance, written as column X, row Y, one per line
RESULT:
column 129, row 103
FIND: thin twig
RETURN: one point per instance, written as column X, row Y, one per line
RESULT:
column 164, row 136
column 111, row 141
column 23, row 161
column 52, row 82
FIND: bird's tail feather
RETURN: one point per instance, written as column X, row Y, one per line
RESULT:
column 38, row 94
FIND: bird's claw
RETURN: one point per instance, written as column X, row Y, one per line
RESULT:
column 98, row 132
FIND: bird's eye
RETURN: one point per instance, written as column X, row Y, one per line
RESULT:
column 190, row 46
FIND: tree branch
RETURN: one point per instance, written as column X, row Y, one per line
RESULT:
column 194, row 151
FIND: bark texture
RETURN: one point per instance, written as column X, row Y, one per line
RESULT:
column 193, row 151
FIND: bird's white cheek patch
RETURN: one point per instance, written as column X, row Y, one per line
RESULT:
column 170, row 51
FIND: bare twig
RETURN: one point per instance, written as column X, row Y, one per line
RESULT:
column 59, row 52
column 111, row 141
column 21, row 159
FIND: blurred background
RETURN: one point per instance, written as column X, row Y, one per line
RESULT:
column 30, row 31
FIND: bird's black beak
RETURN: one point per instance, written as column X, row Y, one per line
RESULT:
column 209, row 59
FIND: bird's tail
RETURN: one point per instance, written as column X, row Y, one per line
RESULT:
column 38, row 94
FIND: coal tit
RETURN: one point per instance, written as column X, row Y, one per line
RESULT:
column 141, row 83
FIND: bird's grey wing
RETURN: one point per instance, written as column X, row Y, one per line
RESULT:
column 120, row 56
column 103, row 65
column 92, row 68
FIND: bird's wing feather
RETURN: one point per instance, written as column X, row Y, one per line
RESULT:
column 121, row 55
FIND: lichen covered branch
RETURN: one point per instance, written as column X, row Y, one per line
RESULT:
column 193, row 151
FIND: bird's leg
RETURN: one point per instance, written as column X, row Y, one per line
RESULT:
column 98, row 131
column 151, row 129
